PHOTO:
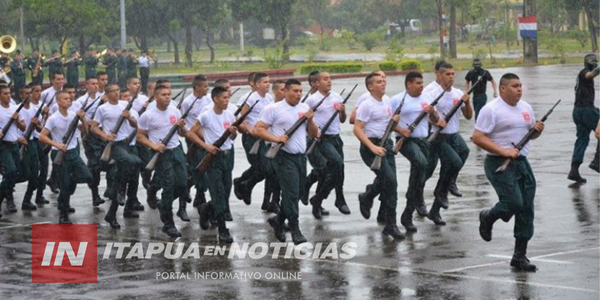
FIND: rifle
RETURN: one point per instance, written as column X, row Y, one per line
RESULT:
column 451, row 112
column 31, row 127
column 175, row 97
column 108, row 149
column 276, row 147
column 181, row 100
column 316, row 140
column 233, row 93
column 237, row 112
column 134, row 132
column 208, row 159
column 525, row 139
column 305, row 96
column 166, row 139
column 376, row 165
column 58, row 160
column 11, row 120
column 342, row 92
column 414, row 124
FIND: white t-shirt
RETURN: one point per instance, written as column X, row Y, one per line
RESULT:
column 411, row 109
column 107, row 116
column 26, row 115
column 214, row 126
column 445, row 104
column 253, row 116
column 280, row 117
column 92, row 103
column 365, row 96
column 48, row 94
column 243, row 97
column 158, row 123
column 6, row 114
column 196, row 109
column 326, row 110
column 506, row 125
column 58, row 125
column 376, row 115
column 139, row 102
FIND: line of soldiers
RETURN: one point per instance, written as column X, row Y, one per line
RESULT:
column 276, row 132
column 119, row 66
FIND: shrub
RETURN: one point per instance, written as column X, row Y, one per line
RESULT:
column 410, row 64
column 331, row 67
column 388, row 66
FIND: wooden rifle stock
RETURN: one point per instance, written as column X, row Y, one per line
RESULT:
column 275, row 147
column 317, row 140
column 416, row 122
column 207, row 160
column 525, row 139
column 451, row 112
column 376, row 165
column 150, row 166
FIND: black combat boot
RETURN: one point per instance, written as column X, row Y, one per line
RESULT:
column 182, row 213
column 96, row 200
column 519, row 261
column 453, row 189
column 486, row 222
column 204, row 212
column 121, row 192
column 391, row 228
column 129, row 210
column 199, row 199
column 151, row 196
column 434, row 214
column 274, row 206
column 574, row 174
column 111, row 215
column 595, row 164
column 224, row 236
column 52, row 182
column 266, row 199
column 441, row 194
column 39, row 197
column 340, row 201
column 26, row 204
column 406, row 218
column 366, row 201
column 64, row 218
column 297, row 236
column 277, row 223
column 169, row 226
column 316, row 201
column 238, row 188
column 10, row 202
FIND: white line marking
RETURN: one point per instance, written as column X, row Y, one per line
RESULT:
column 23, row 225
column 532, row 258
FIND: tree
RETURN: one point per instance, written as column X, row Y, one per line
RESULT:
column 440, row 7
column 591, row 11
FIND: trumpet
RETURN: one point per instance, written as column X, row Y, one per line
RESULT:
column 77, row 57
column 101, row 53
column 38, row 65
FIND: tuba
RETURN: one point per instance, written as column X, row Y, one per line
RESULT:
column 8, row 44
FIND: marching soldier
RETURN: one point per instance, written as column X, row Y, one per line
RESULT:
column 34, row 145
column 131, row 62
column 91, row 62
column 171, row 173
column 57, row 80
column 121, row 69
column 73, row 68
column 502, row 123
column 195, row 154
column 211, row 125
column 4, row 60
column 17, row 68
column 415, row 148
column 54, row 64
column 124, row 154
column 449, row 147
column 372, row 118
column 585, row 116
column 331, row 146
column 9, row 149
column 36, row 63
column 479, row 96
column 29, row 163
column 72, row 170
column 290, row 161
column 244, row 184
column 110, row 62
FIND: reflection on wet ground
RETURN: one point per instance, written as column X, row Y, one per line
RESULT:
column 450, row 262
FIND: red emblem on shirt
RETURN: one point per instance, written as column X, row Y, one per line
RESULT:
column 455, row 101
column 336, row 105
column 300, row 115
column 424, row 105
column 173, row 119
column 389, row 111
column 526, row 116
column 226, row 124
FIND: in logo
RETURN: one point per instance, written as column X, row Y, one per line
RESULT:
column 64, row 253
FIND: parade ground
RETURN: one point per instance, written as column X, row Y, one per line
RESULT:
column 437, row 262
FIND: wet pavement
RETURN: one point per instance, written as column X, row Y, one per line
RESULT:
column 449, row 262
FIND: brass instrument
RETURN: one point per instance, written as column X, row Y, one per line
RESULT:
column 38, row 65
column 99, row 55
column 8, row 44
column 77, row 56
column 7, row 66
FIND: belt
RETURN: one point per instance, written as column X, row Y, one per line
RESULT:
column 7, row 143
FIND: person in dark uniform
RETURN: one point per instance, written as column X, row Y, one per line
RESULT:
column 54, row 64
column 33, row 63
column 132, row 62
column 73, row 169
column 479, row 96
column 91, row 62
column 18, row 73
column 4, row 60
column 110, row 62
column 585, row 116
column 503, row 123
column 290, row 161
column 121, row 69
column 73, row 68
column 372, row 118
